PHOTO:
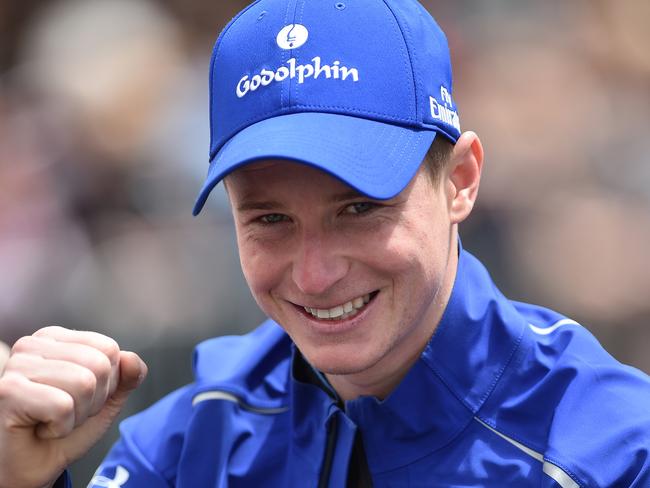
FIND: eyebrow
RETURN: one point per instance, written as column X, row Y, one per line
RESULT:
column 257, row 205
column 248, row 205
column 348, row 195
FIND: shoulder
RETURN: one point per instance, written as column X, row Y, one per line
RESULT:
column 231, row 372
column 229, row 359
column 253, row 367
column 566, row 398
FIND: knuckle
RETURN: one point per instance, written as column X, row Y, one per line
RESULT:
column 17, row 362
column 62, row 407
column 48, row 331
column 111, row 349
column 100, row 366
column 23, row 344
column 10, row 385
column 87, row 384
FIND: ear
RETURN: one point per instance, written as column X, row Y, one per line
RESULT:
column 464, row 176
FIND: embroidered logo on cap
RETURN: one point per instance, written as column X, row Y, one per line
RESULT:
column 292, row 36
column 444, row 111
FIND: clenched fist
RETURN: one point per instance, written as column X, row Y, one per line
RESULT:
column 59, row 393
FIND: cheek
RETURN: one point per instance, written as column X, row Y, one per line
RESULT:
column 417, row 286
column 417, row 263
column 417, row 248
column 261, row 270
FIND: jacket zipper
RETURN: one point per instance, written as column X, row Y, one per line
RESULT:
column 329, row 453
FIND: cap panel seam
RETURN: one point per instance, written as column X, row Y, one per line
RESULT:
column 296, row 18
column 284, row 56
column 417, row 85
column 290, row 51
column 409, row 69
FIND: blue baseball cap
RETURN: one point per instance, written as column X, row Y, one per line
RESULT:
column 356, row 88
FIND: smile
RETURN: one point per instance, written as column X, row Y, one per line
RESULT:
column 341, row 312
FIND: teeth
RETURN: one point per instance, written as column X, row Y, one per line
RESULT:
column 336, row 312
column 323, row 314
column 340, row 312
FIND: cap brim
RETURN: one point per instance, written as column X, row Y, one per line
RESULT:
column 375, row 158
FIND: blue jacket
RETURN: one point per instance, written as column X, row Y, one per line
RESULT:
column 505, row 394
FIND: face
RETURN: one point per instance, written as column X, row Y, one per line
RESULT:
column 358, row 284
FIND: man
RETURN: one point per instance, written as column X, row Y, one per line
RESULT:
column 390, row 358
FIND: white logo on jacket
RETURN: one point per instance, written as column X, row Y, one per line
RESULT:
column 121, row 477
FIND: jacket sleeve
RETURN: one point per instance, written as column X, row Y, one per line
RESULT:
column 126, row 466
column 148, row 451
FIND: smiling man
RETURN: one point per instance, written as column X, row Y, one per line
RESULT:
column 389, row 358
column 359, row 285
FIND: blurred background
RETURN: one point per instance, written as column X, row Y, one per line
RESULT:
column 104, row 143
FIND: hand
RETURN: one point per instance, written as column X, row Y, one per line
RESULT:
column 59, row 393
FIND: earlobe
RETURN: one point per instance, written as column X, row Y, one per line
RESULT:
column 465, row 176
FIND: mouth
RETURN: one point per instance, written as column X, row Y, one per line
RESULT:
column 343, row 311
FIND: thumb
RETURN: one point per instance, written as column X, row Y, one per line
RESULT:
column 133, row 371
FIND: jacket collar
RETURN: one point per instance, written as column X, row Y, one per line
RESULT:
column 455, row 374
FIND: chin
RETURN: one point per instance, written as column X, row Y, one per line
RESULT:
column 339, row 360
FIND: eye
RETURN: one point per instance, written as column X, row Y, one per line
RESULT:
column 273, row 218
column 360, row 208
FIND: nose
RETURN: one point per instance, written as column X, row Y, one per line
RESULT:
column 318, row 264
